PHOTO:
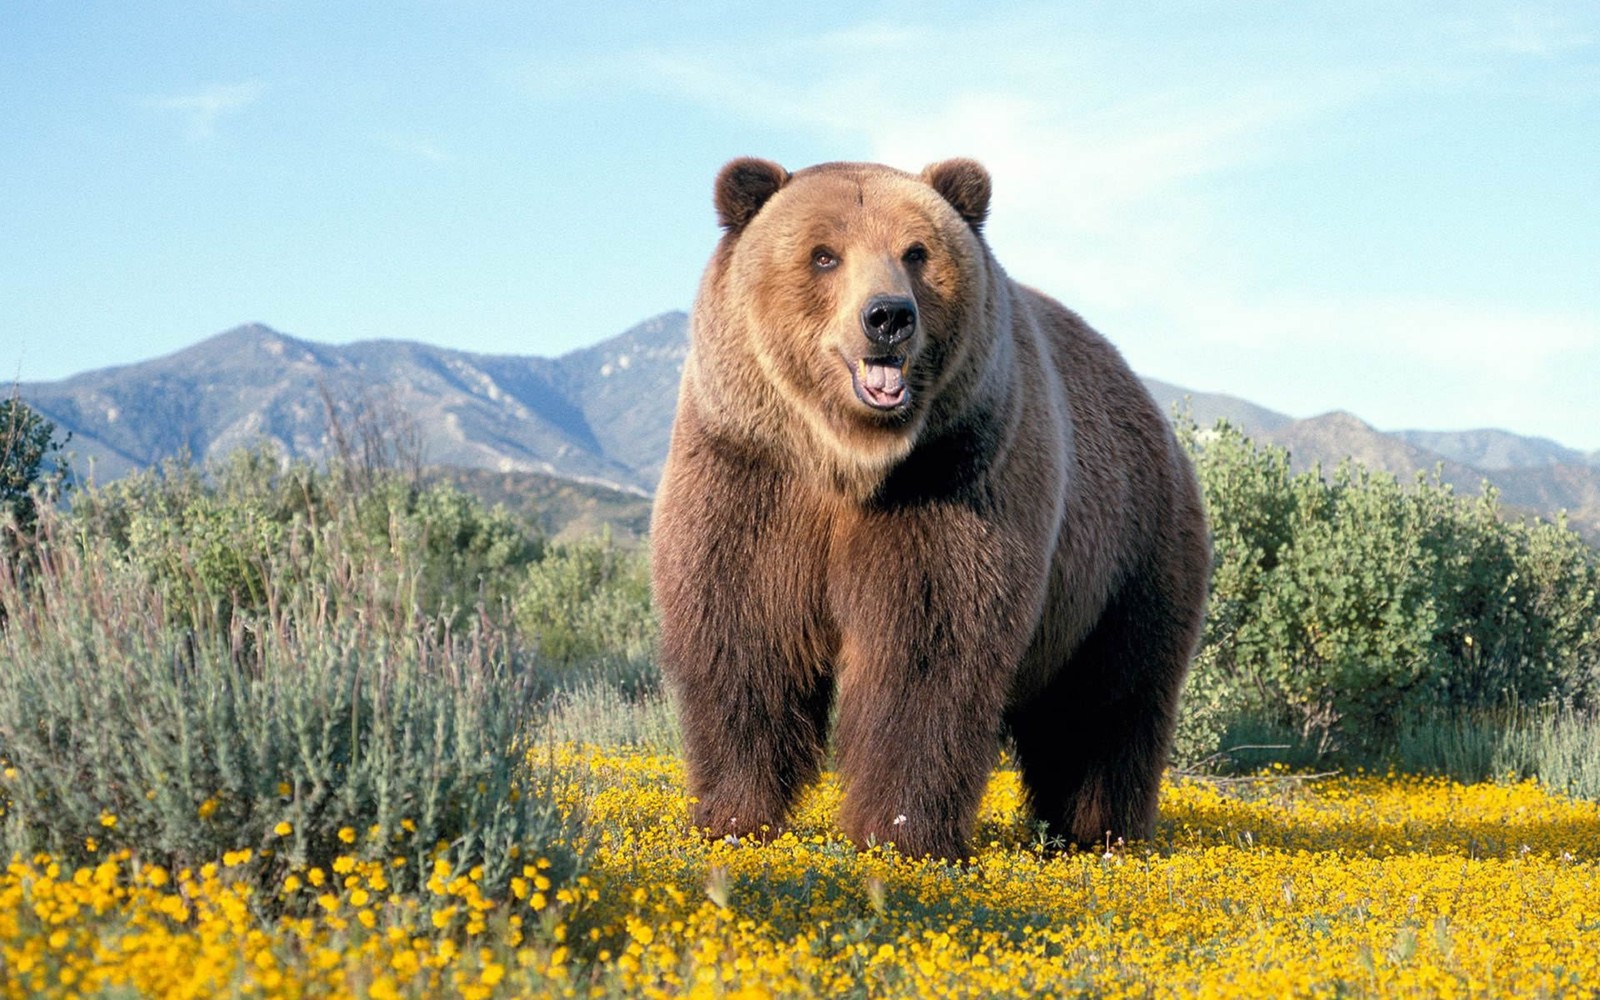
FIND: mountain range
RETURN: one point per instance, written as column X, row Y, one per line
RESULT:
column 602, row 416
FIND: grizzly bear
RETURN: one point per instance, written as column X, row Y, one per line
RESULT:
column 907, row 491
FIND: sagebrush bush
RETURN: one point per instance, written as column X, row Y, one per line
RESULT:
column 225, row 539
column 309, row 721
column 603, row 712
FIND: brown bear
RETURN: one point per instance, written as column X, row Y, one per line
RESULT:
column 902, row 485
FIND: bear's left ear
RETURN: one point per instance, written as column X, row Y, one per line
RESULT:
column 965, row 185
column 743, row 186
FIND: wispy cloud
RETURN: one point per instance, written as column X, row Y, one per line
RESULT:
column 1534, row 33
column 202, row 109
column 419, row 149
column 1066, row 143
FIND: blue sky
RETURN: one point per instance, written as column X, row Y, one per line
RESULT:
column 1388, row 208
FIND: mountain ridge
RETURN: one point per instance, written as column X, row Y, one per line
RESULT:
column 602, row 414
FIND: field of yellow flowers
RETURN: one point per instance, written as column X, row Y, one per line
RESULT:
column 1357, row 885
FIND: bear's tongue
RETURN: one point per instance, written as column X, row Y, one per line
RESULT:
column 884, row 379
column 880, row 382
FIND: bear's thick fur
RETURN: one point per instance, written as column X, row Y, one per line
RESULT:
column 902, row 482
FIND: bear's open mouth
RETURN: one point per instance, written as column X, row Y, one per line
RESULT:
column 880, row 382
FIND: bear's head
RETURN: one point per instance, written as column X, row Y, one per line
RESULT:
column 861, row 292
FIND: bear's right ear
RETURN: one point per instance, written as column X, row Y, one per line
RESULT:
column 965, row 185
column 743, row 186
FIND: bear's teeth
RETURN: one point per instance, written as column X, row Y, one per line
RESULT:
column 861, row 369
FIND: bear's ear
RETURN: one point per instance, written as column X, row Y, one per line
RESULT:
column 743, row 186
column 965, row 185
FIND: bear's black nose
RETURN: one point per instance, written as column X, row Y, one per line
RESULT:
column 889, row 319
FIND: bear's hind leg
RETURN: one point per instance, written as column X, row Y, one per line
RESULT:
column 1092, row 746
column 1092, row 776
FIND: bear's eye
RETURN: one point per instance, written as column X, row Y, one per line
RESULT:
column 824, row 259
column 917, row 254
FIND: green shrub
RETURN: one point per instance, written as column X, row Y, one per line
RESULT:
column 31, row 467
column 1342, row 629
column 225, row 539
column 587, row 604
column 1344, row 608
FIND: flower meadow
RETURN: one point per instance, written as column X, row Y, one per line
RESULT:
column 1278, row 885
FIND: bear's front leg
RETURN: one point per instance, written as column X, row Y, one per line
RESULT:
column 744, row 642
column 754, row 735
column 932, row 630
column 915, row 748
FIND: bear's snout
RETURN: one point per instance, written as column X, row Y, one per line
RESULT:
column 889, row 319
